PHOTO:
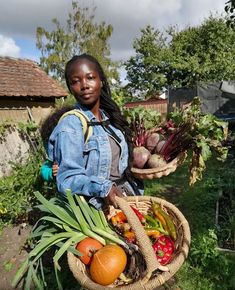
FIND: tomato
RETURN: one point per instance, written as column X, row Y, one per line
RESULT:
column 87, row 248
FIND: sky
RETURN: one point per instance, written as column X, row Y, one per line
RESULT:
column 19, row 20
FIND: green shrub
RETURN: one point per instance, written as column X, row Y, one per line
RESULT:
column 16, row 191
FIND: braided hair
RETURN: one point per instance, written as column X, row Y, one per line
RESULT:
column 109, row 106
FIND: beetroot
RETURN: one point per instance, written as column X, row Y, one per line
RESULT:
column 160, row 146
column 152, row 141
column 155, row 161
column 140, row 156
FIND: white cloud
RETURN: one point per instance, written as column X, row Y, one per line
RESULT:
column 8, row 47
column 126, row 17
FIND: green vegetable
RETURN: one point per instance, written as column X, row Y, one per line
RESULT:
column 164, row 217
column 66, row 223
column 154, row 224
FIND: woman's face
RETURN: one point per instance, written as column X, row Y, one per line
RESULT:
column 85, row 82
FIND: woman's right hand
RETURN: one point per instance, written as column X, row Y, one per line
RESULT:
column 111, row 197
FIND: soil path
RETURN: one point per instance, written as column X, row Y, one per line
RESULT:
column 12, row 254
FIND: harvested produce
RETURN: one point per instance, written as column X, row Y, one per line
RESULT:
column 72, row 225
column 159, row 146
column 165, row 219
column 139, row 215
column 107, row 264
column 129, row 236
column 87, row 248
column 153, row 233
column 155, row 224
column 136, row 265
column 152, row 141
column 154, row 147
column 185, row 130
column 164, row 248
column 65, row 223
column 159, row 227
column 155, row 161
column 140, row 156
column 208, row 135
column 118, row 218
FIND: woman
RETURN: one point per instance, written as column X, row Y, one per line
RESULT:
column 98, row 169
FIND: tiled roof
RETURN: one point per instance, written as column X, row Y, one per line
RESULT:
column 21, row 77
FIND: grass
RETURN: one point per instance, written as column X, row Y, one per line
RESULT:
column 206, row 268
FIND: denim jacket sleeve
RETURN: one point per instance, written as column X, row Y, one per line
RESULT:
column 66, row 146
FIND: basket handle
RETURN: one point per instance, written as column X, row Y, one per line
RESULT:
column 143, row 240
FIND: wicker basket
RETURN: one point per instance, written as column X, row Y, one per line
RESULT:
column 156, row 274
column 151, row 173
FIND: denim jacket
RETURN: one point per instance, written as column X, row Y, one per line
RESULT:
column 85, row 168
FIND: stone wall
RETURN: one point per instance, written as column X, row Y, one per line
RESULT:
column 13, row 148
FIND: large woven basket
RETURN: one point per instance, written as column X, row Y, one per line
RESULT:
column 156, row 274
column 158, row 172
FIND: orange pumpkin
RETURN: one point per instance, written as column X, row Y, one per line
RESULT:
column 107, row 264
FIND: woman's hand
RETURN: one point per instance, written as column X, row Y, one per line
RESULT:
column 55, row 168
column 111, row 197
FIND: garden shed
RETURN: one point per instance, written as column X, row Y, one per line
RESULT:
column 27, row 93
column 217, row 98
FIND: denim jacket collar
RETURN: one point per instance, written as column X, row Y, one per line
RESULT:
column 89, row 114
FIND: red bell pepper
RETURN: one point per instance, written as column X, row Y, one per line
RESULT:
column 164, row 248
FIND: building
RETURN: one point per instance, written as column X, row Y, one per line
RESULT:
column 160, row 105
column 26, row 91
column 217, row 98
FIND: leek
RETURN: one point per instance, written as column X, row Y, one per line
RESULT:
column 95, row 226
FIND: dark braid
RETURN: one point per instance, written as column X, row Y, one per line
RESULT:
column 109, row 106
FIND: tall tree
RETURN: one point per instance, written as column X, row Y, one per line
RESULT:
column 145, row 69
column 81, row 34
column 230, row 10
column 182, row 58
